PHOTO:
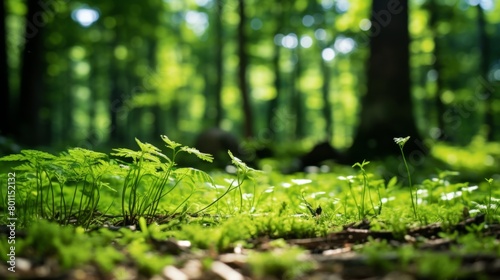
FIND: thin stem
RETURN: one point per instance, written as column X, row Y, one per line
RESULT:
column 363, row 195
column 355, row 201
column 413, row 203
column 230, row 188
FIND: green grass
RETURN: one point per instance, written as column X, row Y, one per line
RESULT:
column 126, row 213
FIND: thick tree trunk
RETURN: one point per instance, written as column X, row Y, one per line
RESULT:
column 387, row 109
column 214, row 76
column 273, row 105
column 440, row 106
column 29, row 131
column 242, row 71
column 484, row 42
column 5, row 100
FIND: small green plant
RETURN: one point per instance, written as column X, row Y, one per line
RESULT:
column 243, row 172
column 414, row 200
column 350, row 181
column 365, row 186
column 151, row 171
column 45, row 180
column 489, row 214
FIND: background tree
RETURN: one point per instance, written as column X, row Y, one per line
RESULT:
column 5, row 100
column 242, row 70
column 32, row 93
column 387, row 109
column 484, row 66
column 128, row 70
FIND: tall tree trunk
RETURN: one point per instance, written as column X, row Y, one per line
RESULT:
column 5, row 100
column 325, row 93
column 152, row 86
column 213, row 79
column 387, row 109
column 440, row 106
column 484, row 42
column 116, row 100
column 242, row 71
column 298, row 102
column 31, row 90
column 92, row 135
column 219, row 70
column 274, row 103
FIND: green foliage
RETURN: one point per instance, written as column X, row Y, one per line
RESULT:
column 365, row 186
column 144, row 172
column 44, row 179
column 221, row 212
column 70, row 247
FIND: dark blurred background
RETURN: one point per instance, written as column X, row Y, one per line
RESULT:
column 354, row 74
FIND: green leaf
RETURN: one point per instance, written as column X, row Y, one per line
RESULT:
column 146, row 147
column 196, row 152
column 195, row 175
column 171, row 144
column 361, row 165
column 392, row 182
column 124, row 152
column 14, row 157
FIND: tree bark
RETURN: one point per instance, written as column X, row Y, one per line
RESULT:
column 484, row 44
column 5, row 100
column 242, row 71
column 219, row 69
column 29, row 130
column 274, row 103
column 387, row 109
column 440, row 106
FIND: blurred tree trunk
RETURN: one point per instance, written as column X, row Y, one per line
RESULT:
column 274, row 103
column 5, row 100
column 298, row 102
column 484, row 44
column 135, row 115
column 214, row 75
column 67, row 128
column 325, row 93
column 242, row 71
column 219, row 70
column 440, row 106
column 387, row 109
column 29, row 129
column 94, row 96
column 116, row 99
column 325, row 87
column 152, row 85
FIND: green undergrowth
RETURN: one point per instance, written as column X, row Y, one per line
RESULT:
column 78, row 207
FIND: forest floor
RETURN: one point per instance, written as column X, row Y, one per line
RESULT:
column 82, row 215
column 334, row 256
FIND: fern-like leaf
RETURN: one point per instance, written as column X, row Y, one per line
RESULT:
column 128, row 153
column 170, row 144
column 195, row 175
column 196, row 152
column 14, row 157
